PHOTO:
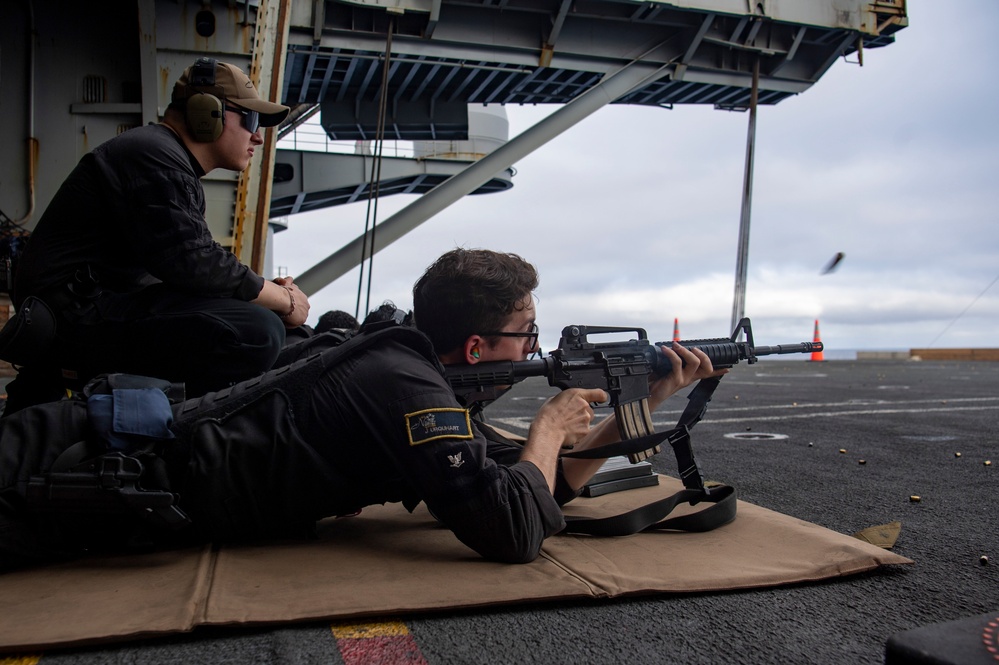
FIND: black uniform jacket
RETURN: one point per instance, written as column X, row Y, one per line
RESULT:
column 380, row 425
column 133, row 210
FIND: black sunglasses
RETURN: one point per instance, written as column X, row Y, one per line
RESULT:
column 251, row 119
column 532, row 334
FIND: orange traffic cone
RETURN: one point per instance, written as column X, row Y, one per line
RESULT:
column 676, row 330
column 817, row 356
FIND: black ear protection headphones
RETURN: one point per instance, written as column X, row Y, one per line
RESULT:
column 204, row 111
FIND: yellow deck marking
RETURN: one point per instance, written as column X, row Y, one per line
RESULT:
column 20, row 660
column 348, row 630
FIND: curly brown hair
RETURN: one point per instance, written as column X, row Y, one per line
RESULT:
column 469, row 291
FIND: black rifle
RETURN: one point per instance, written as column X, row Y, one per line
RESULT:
column 622, row 369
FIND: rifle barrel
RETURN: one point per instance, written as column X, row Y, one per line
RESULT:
column 804, row 347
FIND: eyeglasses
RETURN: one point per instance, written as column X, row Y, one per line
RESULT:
column 251, row 119
column 532, row 334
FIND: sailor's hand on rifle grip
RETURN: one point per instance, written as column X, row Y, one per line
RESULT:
column 571, row 412
column 561, row 421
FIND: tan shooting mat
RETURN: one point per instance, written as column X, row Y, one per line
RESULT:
column 387, row 562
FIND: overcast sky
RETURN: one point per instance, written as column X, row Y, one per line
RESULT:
column 632, row 216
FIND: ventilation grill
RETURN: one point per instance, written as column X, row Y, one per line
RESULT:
column 95, row 89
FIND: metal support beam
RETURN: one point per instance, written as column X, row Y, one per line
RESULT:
column 742, row 257
column 615, row 85
column 148, row 68
column 435, row 17
column 254, row 188
column 789, row 56
column 548, row 46
column 698, row 37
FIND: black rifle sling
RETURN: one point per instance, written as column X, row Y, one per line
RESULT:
column 653, row 516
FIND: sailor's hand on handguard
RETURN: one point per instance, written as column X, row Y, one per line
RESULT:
column 688, row 366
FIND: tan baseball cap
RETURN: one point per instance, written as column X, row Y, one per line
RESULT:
column 231, row 83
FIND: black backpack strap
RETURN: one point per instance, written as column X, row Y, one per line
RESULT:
column 654, row 516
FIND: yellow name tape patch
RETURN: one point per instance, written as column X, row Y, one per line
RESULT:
column 433, row 424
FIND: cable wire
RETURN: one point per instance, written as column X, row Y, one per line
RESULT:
column 964, row 311
column 371, row 216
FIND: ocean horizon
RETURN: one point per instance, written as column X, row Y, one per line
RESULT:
column 834, row 354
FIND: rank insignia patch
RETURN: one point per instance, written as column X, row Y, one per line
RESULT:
column 433, row 424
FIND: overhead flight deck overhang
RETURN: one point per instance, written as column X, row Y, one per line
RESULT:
column 445, row 54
